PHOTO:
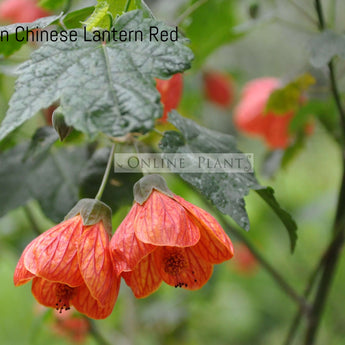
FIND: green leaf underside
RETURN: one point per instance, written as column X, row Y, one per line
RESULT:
column 102, row 88
column 225, row 190
column 14, row 43
column 267, row 195
column 52, row 181
column 326, row 45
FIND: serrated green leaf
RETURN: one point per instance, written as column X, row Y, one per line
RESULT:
column 288, row 98
column 53, row 181
column 15, row 42
column 107, row 88
column 52, row 5
column 267, row 195
column 75, row 19
column 41, row 142
column 225, row 190
column 326, row 45
column 119, row 189
column 210, row 26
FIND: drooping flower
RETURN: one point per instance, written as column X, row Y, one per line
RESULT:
column 171, row 93
column 251, row 118
column 218, row 88
column 70, row 263
column 165, row 238
column 21, row 11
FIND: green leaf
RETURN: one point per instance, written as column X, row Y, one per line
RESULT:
column 52, row 5
column 288, row 98
column 210, row 26
column 107, row 88
column 75, row 19
column 16, row 41
column 225, row 190
column 117, row 185
column 53, row 181
column 326, row 45
column 267, row 195
column 41, row 142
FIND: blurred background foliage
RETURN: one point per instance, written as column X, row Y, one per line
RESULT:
column 241, row 304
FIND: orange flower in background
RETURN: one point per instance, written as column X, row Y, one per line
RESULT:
column 165, row 238
column 218, row 88
column 21, row 11
column 171, row 93
column 70, row 264
column 251, row 118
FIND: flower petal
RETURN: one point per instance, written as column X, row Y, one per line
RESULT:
column 95, row 263
column 44, row 292
column 53, row 255
column 144, row 279
column 86, row 304
column 21, row 274
column 125, row 248
column 164, row 222
column 215, row 245
column 181, row 267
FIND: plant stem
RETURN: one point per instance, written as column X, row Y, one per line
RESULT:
column 67, row 6
column 32, row 219
column 128, row 3
column 289, row 290
column 338, row 239
column 106, row 173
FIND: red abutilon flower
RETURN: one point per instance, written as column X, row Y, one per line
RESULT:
column 21, row 11
column 166, row 238
column 171, row 93
column 251, row 118
column 70, row 264
column 218, row 88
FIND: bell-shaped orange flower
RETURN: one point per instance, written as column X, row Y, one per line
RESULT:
column 70, row 264
column 165, row 238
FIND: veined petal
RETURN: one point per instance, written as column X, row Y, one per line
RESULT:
column 144, row 279
column 162, row 221
column 21, row 274
column 95, row 263
column 53, row 255
column 86, row 304
column 181, row 267
column 126, row 250
column 215, row 245
column 44, row 292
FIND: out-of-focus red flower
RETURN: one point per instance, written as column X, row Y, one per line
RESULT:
column 70, row 264
column 72, row 327
column 219, row 88
column 21, row 11
column 165, row 238
column 244, row 261
column 171, row 93
column 250, row 116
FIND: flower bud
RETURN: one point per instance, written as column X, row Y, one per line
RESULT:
column 60, row 125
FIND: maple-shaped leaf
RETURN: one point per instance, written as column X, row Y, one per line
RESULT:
column 102, row 87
